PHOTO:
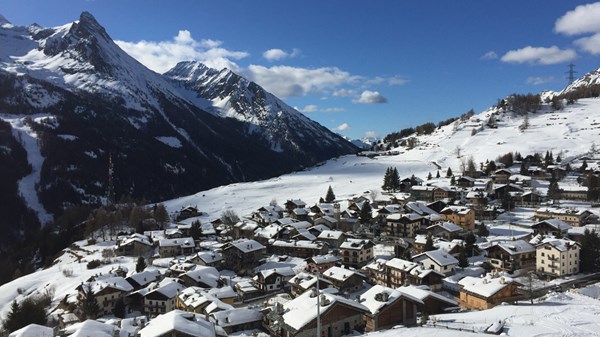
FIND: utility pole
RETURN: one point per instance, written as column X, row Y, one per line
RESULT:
column 571, row 73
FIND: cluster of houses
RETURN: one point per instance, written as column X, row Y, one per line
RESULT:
column 342, row 282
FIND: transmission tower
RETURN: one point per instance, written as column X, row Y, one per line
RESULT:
column 571, row 73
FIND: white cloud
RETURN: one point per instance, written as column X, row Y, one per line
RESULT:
column 332, row 110
column 583, row 19
column 539, row 55
column 371, row 134
column 371, row 97
column 343, row 127
column 286, row 81
column 590, row 44
column 536, row 80
column 277, row 54
column 163, row 55
column 490, row 55
column 344, row 93
column 396, row 80
column 309, row 108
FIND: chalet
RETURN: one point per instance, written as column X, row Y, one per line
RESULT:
column 291, row 205
column 437, row 260
column 271, row 280
column 446, row 230
column 134, row 245
column 443, row 193
column 571, row 216
column 302, row 282
column 501, row 176
column 208, row 259
column 376, row 272
column 420, row 276
column 268, row 214
column 300, row 248
column 423, row 193
column 178, row 323
column 237, row 319
column 188, row 212
column 244, row 229
column 143, row 279
column 300, row 214
column 304, row 235
column 511, row 255
column 320, row 263
column 465, row 182
column 107, row 292
column 528, row 199
column 477, row 198
column 176, row 247
column 551, row 227
column 420, row 207
column 403, row 225
column 201, row 276
column 242, row 255
column 293, row 228
column 326, row 220
column 348, row 224
column 573, row 192
column 503, row 191
column 162, row 299
column 462, row 216
column 338, row 316
column 356, row 252
column 345, row 280
column 269, row 232
column 397, row 271
column 332, row 238
column 389, row 307
column 433, row 303
column 487, row 292
column 558, row 257
column 201, row 301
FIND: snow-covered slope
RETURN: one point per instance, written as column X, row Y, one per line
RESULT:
column 588, row 79
column 157, row 130
column 281, row 126
column 568, row 133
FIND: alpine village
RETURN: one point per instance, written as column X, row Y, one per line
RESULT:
column 430, row 230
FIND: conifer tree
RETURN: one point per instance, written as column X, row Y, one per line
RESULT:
column 87, row 302
column 429, row 243
column 438, row 174
column 395, row 179
column 366, row 212
column 429, row 176
column 330, row 197
column 387, row 179
column 449, row 173
column 463, row 261
column 141, row 264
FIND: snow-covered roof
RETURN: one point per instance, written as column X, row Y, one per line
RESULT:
column 303, row 309
column 556, row 223
column 206, row 275
column 562, row 245
column 236, row 316
column 329, row 258
column 401, row 264
column 182, row 242
column 145, row 277
column 210, row 257
column 298, row 243
column 33, row 330
column 177, row 320
column 330, row 235
column 267, row 232
column 379, row 296
column 485, row 287
column 438, row 256
column 447, row 226
column 515, row 247
column 423, row 294
column 168, row 289
column 355, row 244
column 90, row 328
column 284, row 271
column 246, row 245
column 117, row 282
column 339, row 273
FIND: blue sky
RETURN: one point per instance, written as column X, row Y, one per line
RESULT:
column 357, row 67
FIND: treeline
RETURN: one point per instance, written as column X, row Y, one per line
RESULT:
column 423, row 129
column 589, row 91
column 520, row 104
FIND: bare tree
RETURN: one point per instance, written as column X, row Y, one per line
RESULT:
column 229, row 217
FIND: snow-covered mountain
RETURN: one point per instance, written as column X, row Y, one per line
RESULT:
column 589, row 79
column 265, row 115
column 72, row 99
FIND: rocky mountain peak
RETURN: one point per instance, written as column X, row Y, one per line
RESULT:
column 3, row 20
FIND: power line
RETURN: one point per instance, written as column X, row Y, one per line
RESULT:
column 571, row 73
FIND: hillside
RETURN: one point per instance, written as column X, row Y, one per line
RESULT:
column 71, row 98
column 569, row 133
